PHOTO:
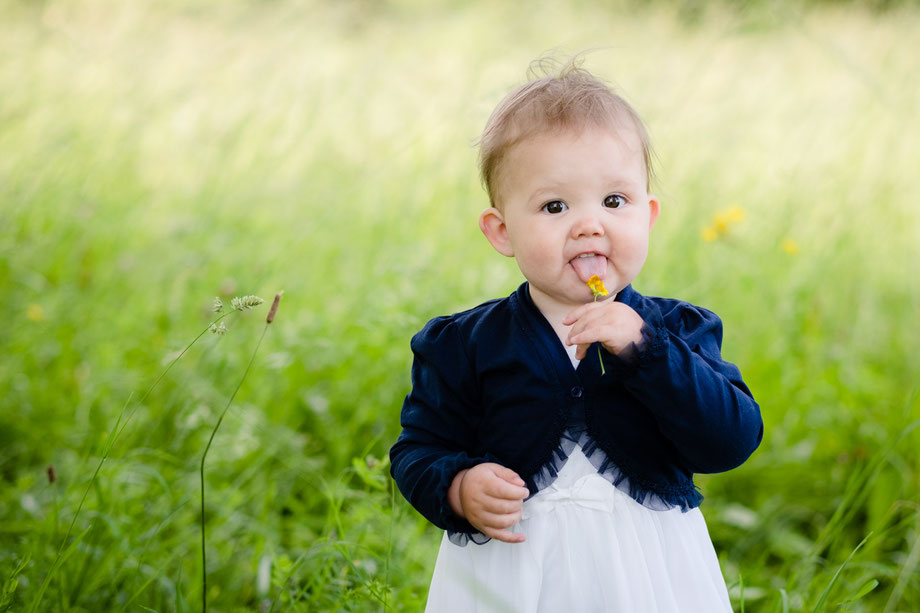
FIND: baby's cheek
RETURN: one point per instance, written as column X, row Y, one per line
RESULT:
column 535, row 262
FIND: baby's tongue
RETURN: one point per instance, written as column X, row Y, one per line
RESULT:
column 589, row 266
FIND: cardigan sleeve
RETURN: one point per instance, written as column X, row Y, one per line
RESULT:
column 439, row 419
column 699, row 401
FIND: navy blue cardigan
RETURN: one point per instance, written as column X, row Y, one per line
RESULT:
column 495, row 384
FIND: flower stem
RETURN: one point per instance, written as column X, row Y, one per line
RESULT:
column 204, row 559
column 600, row 358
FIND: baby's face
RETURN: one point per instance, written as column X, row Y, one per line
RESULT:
column 574, row 205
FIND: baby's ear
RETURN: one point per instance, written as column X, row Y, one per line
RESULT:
column 492, row 224
column 654, row 210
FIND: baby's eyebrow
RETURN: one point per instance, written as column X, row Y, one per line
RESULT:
column 621, row 178
column 546, row 193
column 623, row 184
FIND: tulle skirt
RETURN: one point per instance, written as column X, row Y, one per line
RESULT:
column 589, row 547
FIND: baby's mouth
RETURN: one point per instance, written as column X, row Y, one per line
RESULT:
column 588, row 265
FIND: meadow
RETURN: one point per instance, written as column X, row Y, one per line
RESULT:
column 154, row 155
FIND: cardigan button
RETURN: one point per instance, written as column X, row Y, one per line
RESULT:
column 576, row 392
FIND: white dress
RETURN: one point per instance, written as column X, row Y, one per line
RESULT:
column 590, row 547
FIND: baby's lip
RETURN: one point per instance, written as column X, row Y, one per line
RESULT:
column 584, row 254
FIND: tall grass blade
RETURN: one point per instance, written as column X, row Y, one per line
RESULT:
column 62, row 557
column 782, row 601
column 836, row 576
column 866, row 587
column 11, row 582
column 294, row 567
column 140, row 556
column 204, row 456
column 904, row 577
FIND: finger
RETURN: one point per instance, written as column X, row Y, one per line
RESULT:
column 486, row 522
column 581, row 351
column 496, row 521
column 508, row 475
column 588, row 321
column 506, row 536
column 501, row 506
column 584, row 335
column 602, row 333
column 580, row 312
column 502, row 489
column 585, row 338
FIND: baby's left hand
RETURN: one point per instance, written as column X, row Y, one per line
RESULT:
column 613, row 324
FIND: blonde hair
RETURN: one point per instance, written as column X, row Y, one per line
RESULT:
column 568, row 97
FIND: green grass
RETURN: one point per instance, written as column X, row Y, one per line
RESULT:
column 154, row 155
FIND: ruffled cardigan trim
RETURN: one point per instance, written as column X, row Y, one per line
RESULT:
column 577, row 434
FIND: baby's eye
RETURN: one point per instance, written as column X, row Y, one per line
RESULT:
column 614, row 201
column 554, row 207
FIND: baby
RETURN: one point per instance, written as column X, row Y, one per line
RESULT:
column 557, row 431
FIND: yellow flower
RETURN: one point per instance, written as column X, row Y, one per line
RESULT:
column 790, row 246
column 734, row 214
column 597, row 286
column 722, row 223
column 35, row 312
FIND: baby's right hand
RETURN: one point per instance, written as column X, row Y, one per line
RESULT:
column 490, row 497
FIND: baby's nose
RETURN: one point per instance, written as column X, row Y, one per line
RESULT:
column 587, row 225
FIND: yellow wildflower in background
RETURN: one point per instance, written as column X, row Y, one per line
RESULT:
column 597, row 286
column 790, row 246
column 722, row 223
column 732, row 215
column 35, row 312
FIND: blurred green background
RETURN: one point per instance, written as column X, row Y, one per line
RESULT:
column 154, row 155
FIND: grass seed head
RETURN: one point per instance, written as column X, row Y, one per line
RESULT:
column 274, row 309
column 246, row 302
